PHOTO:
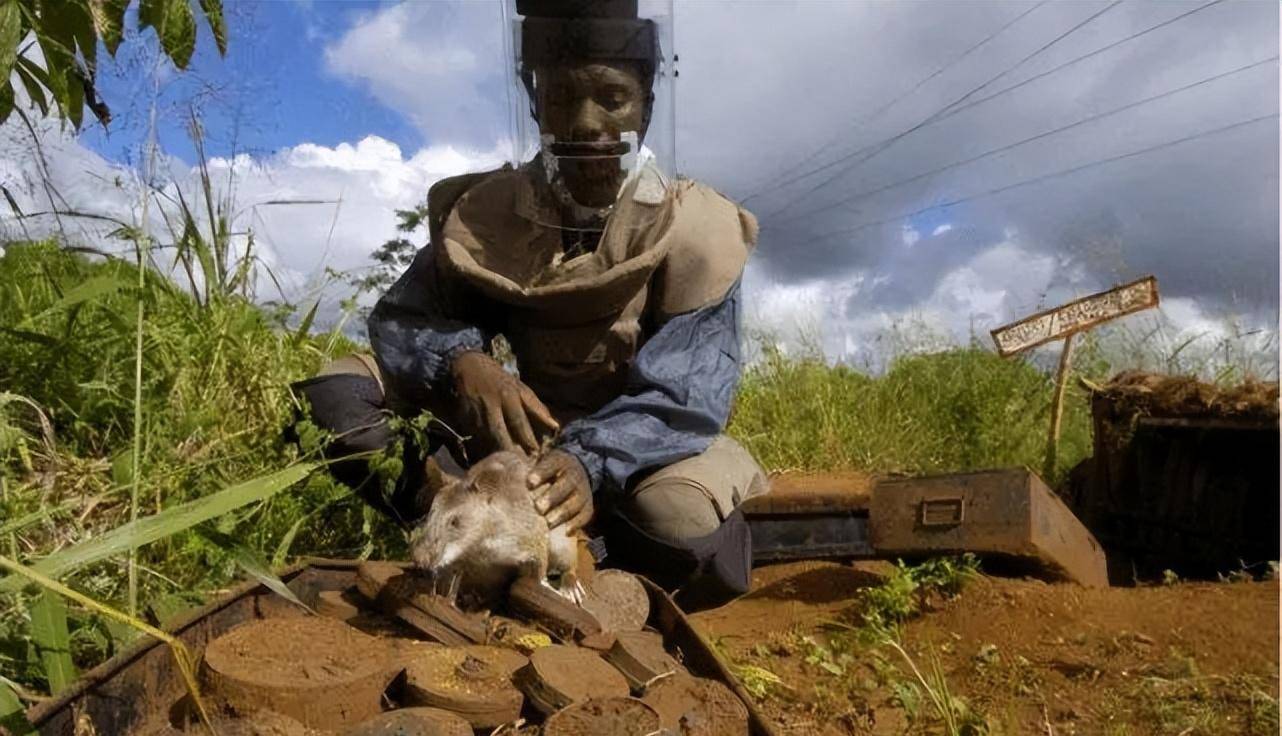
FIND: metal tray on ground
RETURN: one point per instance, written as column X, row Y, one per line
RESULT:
column 136, row 691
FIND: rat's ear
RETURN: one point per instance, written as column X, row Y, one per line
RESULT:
column 436, row 479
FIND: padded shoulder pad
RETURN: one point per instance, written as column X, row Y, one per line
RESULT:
column 711, row 239
column 444, row 194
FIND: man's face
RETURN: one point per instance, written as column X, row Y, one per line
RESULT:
column 590, row 102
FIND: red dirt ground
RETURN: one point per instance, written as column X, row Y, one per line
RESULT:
column 1025, row 656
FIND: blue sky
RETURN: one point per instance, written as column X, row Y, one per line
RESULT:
column 275, row 76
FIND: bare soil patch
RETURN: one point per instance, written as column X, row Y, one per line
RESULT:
column 1022, row 656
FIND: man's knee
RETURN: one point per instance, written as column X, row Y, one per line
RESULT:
column 673, row 509
column 692, row 498
column 345, row 399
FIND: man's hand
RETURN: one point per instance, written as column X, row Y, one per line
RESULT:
column 562, row 491
column 495, row 407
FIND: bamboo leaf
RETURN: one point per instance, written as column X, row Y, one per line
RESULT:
column 13, row 719
column 171, row 521
column 53, row 641
column 75, row 96
column 252, row 563
column 58, row 61
column 180, row 33
column 33, row 79
column 109, row 20
column 175, row 26
column 217, row 23
column 95, row 288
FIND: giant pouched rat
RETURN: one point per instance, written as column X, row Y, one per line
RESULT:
column 483, row 531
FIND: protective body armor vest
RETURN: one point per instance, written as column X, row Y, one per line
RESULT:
column 575, row 324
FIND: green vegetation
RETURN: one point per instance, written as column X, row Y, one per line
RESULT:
column 961, row 409
column 215, row 403
column 61, row 62
column 861, row 658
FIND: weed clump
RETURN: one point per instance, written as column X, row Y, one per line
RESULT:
column 215, row 401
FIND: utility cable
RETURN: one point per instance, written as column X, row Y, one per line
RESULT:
column 1016, row 144
column 920, row 83
column 954, row 109
column 1043, row 177
column 876, row 148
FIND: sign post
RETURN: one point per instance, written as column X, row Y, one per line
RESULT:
column 1063, row 322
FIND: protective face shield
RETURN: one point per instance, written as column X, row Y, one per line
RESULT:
column 592, row 92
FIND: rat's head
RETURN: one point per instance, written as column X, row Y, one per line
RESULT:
column 468, row 514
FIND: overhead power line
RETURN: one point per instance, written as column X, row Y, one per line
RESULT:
column 1016, row 144
column 920, row 83
column 1043, row 177
column 875, row 148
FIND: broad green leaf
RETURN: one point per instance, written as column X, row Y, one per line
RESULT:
column 179, row 38
column 75, row 109
column 175, row 25
column 10, row 36
column 151, row 14
column 95, row 288
column 6, row 107
column 59, row 58
column 217, row 23
column 33, row 84
column 12, row 715
column 71, row 25
column 171, row 521
column 109, row 20
column 252, row 563
column 53, row 642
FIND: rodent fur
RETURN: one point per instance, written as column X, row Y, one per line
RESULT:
column 483, row 530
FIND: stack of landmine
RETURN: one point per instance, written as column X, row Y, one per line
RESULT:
column 363, row 668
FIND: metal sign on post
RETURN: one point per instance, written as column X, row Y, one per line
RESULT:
column 1063, row 322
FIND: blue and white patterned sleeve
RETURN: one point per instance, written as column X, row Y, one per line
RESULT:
column 414, row 334
column 677, row 400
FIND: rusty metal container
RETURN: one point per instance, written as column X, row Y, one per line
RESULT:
column 1184, row 476
column 1008, row 516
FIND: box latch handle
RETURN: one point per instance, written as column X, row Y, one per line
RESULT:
column 937, row 512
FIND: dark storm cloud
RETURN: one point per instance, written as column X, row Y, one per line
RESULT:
column 763, row 91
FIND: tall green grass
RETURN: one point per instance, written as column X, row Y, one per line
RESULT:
column 216, row 400
column 960, row 409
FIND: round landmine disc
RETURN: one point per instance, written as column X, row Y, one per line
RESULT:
column 474, row 682
column 406, row 651
column 640, row 656
column 337, row 604
column 259, row 723
column 316, row 670
column 696, row 706
column 506, row 660
column 603, row 717
column 512, row 634
column 414, row 722
column 618, row 600
column 560, row 675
